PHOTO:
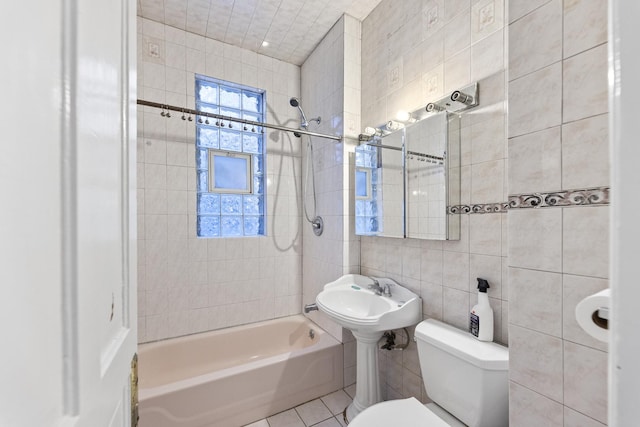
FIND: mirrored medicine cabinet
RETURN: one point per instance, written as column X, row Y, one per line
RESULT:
column 406, row 177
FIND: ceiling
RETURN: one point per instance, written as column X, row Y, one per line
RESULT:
column 292, row 28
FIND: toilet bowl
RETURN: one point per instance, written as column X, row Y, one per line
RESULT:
column 405, row 413
column 467, row 380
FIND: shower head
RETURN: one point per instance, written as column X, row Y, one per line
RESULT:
column 295, row 102
column 304, row 123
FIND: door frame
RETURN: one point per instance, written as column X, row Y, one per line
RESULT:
column 624, row 125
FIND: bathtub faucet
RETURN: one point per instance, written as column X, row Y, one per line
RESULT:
column 310, row 307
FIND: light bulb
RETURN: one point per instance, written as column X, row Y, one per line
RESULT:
column 403, row 116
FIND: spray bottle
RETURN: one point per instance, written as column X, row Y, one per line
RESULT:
column 481, row 316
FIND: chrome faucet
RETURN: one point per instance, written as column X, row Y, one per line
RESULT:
column 375, row 286
column 385, row 289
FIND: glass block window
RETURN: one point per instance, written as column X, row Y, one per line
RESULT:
column 230, row 160
column 368, row 191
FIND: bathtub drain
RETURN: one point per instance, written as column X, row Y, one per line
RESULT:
column 312, row 334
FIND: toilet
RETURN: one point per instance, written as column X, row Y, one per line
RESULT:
column 466, row 379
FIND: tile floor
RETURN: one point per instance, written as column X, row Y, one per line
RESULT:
column 323, row 412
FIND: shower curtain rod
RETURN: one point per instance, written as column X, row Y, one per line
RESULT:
column 413, row 153
column 234, row 119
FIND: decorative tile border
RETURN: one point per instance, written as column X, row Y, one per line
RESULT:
column 478, row 208
column 589, row 196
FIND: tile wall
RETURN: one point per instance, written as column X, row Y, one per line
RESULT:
column 414, row 53
column 331, row 88
column 558, row 142
column 186, row 284
column 411, row 53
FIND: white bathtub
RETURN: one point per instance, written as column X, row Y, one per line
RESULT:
column 235, row 376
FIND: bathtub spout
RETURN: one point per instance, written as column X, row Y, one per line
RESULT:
column 310, row 307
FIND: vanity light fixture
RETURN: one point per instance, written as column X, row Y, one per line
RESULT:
column 405, row 117
column 393, row 125
column 371, row 131
column 462, row 97
column 434, row 108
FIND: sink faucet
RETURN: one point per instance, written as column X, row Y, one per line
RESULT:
column 375, row 286
column 385, row 289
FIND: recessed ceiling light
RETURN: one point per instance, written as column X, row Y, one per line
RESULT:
column 265, row 43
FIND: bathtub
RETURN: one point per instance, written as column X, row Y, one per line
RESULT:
column 235, row 376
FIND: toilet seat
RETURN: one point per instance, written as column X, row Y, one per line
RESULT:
column 402, row 412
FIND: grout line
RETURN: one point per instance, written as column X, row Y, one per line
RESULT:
column 535, row 330
column 537, row 392
column 528, row 13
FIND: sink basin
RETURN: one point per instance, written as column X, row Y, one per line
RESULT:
column 351, row 304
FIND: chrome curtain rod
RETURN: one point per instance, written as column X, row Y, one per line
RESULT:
column 413, row 153
column 234, row 119
column 390, row 147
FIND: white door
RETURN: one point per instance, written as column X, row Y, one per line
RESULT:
column 67, row 212
column 624, row 93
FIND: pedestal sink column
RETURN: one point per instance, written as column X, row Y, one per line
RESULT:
column 360, row 304
column 367, row 375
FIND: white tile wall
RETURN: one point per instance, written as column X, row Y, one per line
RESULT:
column 187, row 284
column 585, row 143
column 443, row 49
column 535, row 239
column 584, row 84
column 585, row 379
column 528, row 54
column 331, row 89
column 535, row 160
column 408, row 54
column 537, row 302
column 557, row 256
column 535, row 101
column 530, row 409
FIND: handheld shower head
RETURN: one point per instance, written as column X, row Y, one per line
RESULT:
column 295, row 102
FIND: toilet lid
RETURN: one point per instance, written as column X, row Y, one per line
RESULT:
column 403, row 412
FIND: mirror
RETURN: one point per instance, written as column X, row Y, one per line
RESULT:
column 433, row 177
column 406, row 180
column 379, row 186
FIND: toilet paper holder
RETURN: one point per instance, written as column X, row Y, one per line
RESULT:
column 603, row 312
column 601, row 317
column 593, row 313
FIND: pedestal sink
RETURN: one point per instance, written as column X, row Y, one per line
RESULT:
column 368, row 307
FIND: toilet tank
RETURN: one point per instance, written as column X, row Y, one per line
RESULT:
column 467, row 377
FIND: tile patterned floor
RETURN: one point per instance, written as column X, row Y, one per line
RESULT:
column 323, row 412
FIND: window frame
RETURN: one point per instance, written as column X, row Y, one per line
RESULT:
column 367, row 172
column 212, row 152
